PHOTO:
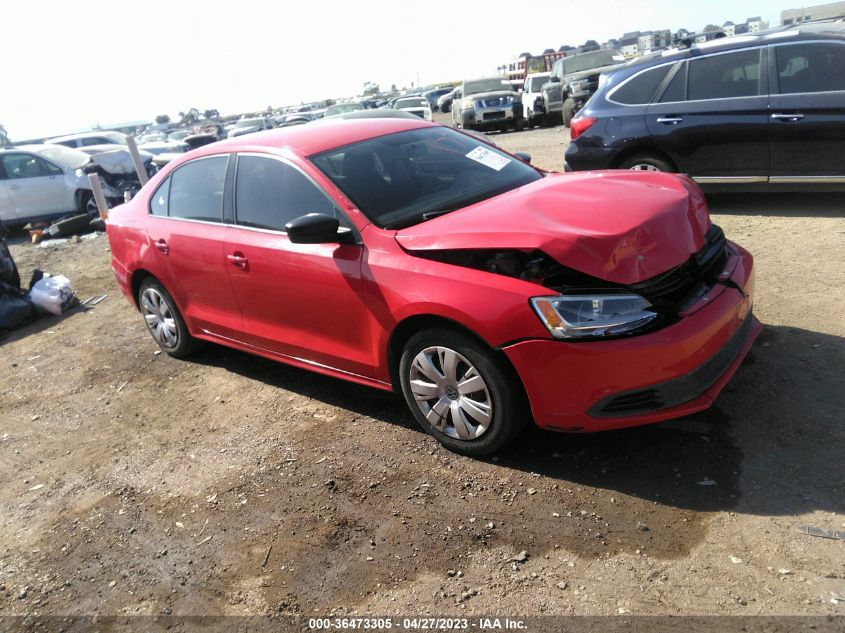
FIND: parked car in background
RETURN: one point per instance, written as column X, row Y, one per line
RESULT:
column 44, row 181
column 765, row 108
column 433, row 96
column 573, row 81
column 444, row 103
column 533, row 103
column 249, row 126
column 293, row 118
column 488, row 103
column 417, row 106
column 89, row 138
column 411, row 257
column 342, row 108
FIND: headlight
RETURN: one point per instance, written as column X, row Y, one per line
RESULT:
column 587, row 316
column 468, row 104
column 578, row 85
column 79, row 173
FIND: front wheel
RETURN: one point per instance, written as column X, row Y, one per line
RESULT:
column 460, row 393
column 568, row 111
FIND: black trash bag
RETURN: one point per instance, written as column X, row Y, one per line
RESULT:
column 8, row 270
column 15, row 307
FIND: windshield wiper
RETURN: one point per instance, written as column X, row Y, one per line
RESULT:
column 417, row 217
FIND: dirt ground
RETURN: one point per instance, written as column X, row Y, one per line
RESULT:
column 134, row 483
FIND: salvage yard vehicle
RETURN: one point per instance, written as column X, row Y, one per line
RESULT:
column 46, row 181
column 533, row 102
column 485, row 104
column 89, row 138
column 758, row 110
column 573, row 81
column 249, row 126
column 412, row 257
column 418, row 106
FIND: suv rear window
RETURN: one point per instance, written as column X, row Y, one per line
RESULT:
column 725, row 76
column 641, row 88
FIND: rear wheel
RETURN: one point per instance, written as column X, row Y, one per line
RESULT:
column 87, row 203
column 164, row 320
column 460, row 393
column 646, row 162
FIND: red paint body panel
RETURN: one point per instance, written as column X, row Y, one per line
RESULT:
column 333, row 308
column 652, row 224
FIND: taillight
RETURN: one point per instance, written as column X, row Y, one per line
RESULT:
column 579, row 125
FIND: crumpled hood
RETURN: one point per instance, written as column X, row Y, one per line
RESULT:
column 620, row 226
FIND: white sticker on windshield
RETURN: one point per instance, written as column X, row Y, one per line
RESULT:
column 489, row 159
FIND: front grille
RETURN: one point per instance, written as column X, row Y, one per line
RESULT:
column 490, row 116
column 701, row 270
column 495, row 102
column 678, row 391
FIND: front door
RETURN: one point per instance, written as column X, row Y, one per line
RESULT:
column 300, row 300
column 36, row 186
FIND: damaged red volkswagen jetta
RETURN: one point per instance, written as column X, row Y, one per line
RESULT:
column 408, row 256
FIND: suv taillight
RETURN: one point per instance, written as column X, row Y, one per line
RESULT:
column 579, row 125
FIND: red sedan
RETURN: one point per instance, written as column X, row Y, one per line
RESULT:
column 409, row 256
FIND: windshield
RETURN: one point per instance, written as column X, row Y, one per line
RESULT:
column 401, row 179
column 342, row 108
column 592, row 60
column 178, row 135
column 411, row 103
column 250, row 123
column 475, row 86
column 64, row 156
column 152, row 137
column 537, row 82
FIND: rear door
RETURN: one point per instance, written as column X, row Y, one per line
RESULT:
column 36, row 186
column 185, row 233
column 7, row 208
column 807, row 120
column 300, row 300
column 712, row 117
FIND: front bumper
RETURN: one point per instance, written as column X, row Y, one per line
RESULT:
column 602, row 385
column 483, row 118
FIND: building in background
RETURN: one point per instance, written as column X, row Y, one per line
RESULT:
column 817, row 12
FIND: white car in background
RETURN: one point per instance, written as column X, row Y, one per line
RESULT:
column 44, row 181
column 533, row 103
column 414, row 105
column 89, row 138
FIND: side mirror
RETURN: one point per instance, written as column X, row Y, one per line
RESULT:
column 554, row 79
column 316, row 228
column 526, row 158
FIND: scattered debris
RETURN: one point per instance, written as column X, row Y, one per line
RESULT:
column 520, row 558
column 205, row 540
column 736, row 560
column 36, row 487
column 92, row 301
column 562, row 584
column 267, row 556
column 815, row 531
column 706, row 482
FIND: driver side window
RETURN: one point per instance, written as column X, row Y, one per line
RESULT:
column 270, row 193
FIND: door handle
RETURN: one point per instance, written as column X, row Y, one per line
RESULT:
column 788, row 117
column 238, row 259
column 670, row 119
column 162, row 246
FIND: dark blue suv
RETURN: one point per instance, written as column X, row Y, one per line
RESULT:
column 766, row 108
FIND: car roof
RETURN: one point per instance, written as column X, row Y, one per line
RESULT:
column 315, row 137
column 793, row 33
column 72, row 137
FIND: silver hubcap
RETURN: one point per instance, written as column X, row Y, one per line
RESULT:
column 450, row 393
column 643, row 167
column 159, row 318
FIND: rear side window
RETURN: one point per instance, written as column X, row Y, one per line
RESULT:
column 641, row 88
column 159, row 201
column 270, row 193
column 196, row 190
column 725, row 76
column 817, row 67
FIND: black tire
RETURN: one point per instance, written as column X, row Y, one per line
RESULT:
column 183, row 343
column 87, row 204
column 646, row 162
column 499, row 395
column 519, row 125
column 568, row 111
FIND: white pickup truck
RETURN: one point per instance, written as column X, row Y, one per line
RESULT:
column 533, row 102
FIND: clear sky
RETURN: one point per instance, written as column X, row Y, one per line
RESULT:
column 72, row 64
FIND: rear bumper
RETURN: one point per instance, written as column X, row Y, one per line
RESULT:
column 588, row 158
column 681, row 369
